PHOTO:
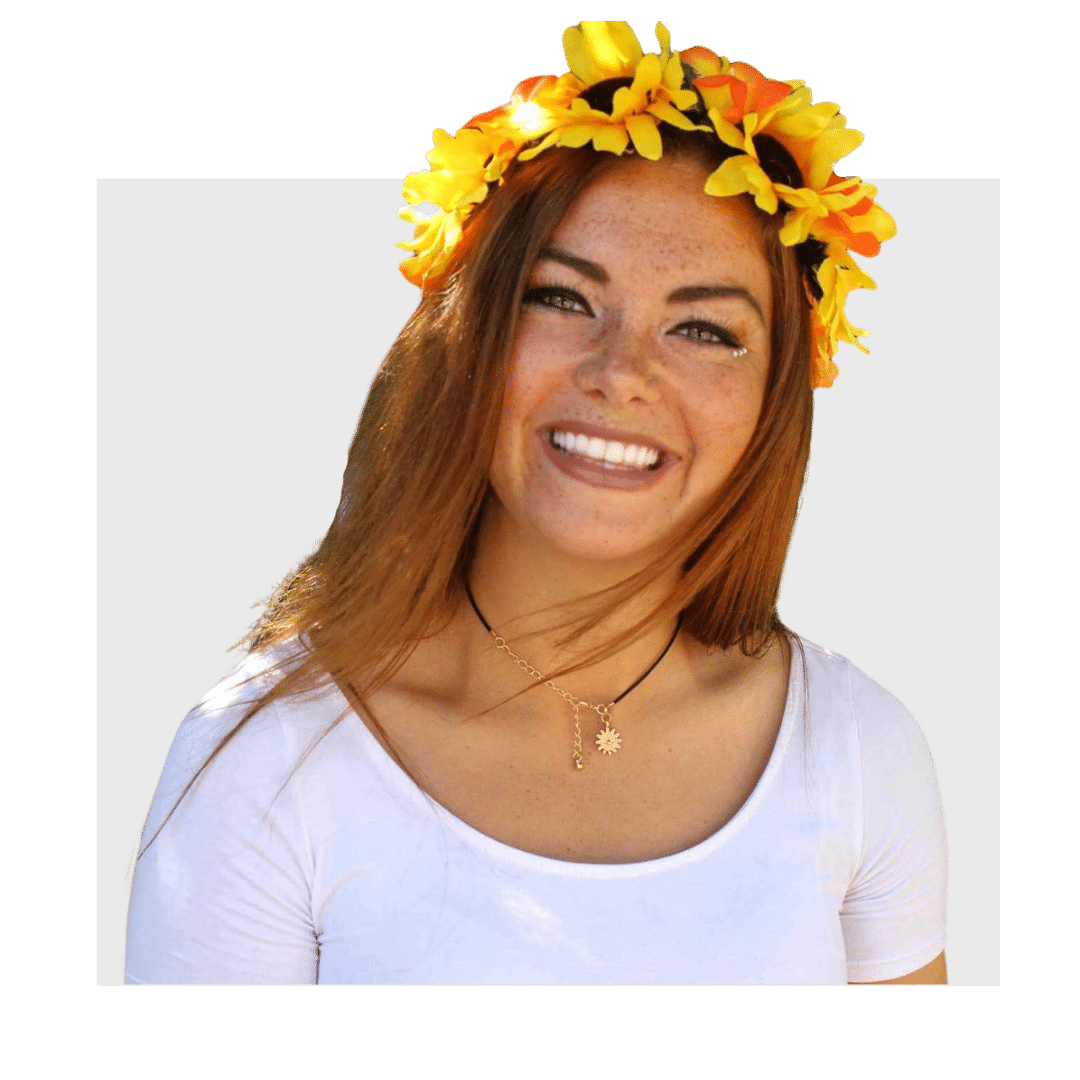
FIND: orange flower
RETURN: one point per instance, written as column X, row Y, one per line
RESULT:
column 843, row 212
column 740, row 91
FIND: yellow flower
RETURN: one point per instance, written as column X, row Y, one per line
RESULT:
column 838, row 275
column 596, row 51
column 462, row 166
column 739, row 94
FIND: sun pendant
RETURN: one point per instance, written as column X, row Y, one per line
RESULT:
column 608, row 741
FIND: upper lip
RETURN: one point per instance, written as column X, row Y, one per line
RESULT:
column 609, row 434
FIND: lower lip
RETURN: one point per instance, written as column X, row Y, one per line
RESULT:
column 620, row 478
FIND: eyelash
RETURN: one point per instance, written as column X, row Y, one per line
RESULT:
column 541, row 294
column 550, row 292
column 727, row 337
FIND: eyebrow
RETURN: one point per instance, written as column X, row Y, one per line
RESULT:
column 705, row 292
column 595, row 272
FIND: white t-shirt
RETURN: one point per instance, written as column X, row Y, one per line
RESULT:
column 832, row 871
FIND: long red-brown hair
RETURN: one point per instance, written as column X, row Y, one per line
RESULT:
column 392, row 567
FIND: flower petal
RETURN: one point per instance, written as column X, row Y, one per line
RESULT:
column 728, row 132
column 596, row 51
column 647, row 76
column 798, row 223
column 684, row 99
column 673, row 73
column 549, row 140
column 577, row 135
column 646, row 139
column 723, row 93
column 824, row 371
column 877, row 221
column 611, row 137
column 527, row 89
column 626, row 101
column 763, row 94
column 828, row 150
column 742, row 174
column 662, row 110
column 703, row 61
column 663, row 36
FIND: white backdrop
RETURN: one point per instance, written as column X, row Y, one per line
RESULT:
column 240, row 324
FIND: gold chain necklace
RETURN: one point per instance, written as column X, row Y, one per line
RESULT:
column 608, row 740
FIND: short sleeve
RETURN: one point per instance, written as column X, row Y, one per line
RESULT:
column 893, row 915
column 222, row 895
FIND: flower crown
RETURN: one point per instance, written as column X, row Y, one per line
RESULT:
column 828, row 216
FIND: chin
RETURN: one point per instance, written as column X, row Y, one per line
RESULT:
column 592, row 546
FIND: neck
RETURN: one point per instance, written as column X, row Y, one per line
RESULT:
column 512, row 585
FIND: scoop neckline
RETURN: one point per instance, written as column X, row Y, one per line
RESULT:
column 393, row 773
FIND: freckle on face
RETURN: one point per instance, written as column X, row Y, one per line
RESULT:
column 630, row 364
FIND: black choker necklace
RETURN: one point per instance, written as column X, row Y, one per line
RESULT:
column 608, row 740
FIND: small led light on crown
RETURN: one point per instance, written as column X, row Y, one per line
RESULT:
column 530, row 118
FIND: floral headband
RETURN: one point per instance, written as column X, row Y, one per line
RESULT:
column 829, row 215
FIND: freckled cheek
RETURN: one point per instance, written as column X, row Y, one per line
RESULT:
column 525, row 384
column 726, row 423
column 537, row 365
column 531, row 376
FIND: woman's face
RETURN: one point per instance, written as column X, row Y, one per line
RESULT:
column 646, row 324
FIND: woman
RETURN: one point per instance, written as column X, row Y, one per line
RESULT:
column 528, row 714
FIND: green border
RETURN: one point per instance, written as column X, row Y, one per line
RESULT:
column 328, row 89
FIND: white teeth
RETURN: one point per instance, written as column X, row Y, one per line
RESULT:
column 614, row 453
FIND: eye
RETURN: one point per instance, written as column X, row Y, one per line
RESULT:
column 559, row 298
column 707, row 333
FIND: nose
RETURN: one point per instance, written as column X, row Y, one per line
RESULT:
column 623, row 367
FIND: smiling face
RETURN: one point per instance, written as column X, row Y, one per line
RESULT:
column 647, row 324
